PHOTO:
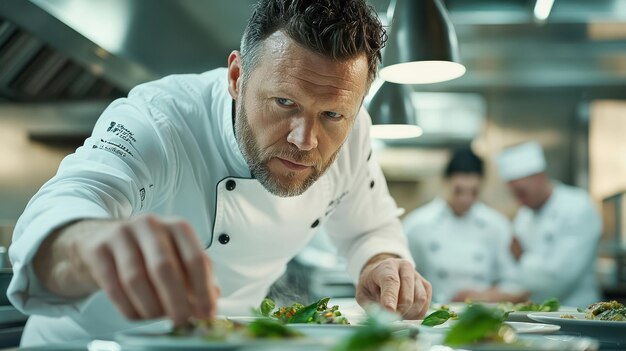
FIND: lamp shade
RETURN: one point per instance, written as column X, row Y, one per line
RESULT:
column 393, row 114
column 422, row 46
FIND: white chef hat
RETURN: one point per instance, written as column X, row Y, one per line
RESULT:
column 521, row 161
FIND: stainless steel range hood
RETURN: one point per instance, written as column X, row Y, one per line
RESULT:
column 43, row 59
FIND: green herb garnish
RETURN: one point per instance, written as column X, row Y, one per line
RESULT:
column 479, row 323
column 438, row 317
column 316, row 313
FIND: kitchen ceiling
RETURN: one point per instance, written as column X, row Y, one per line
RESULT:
column 43, row 59
column 582, row 44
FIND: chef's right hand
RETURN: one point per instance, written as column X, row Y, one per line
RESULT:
column 149, row 267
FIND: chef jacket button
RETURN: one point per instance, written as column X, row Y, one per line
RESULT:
column 442, row 274
column 434, row 246
column 480, row 223
column 223, row 238
column 230, row 185
column 316, row 223
column 372, row 184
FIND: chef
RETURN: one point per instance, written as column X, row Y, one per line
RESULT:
column 556, row 230
column 457, row 241
column 193, row 193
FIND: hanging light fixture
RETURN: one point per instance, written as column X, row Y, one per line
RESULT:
column 422, row 46
column 393, row 113
column 542, row 10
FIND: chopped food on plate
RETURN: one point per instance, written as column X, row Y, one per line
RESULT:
column 316, row 313
column 606, row 311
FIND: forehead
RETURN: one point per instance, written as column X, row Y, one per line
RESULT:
column 522, row 182
column 467, row 179
column 286, row 64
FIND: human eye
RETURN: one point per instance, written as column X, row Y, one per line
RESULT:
column 284, row 102
column 333, row 115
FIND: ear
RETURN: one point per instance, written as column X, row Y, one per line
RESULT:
column 234, row 74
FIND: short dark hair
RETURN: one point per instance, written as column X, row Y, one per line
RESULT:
column 464, row 160
column 339, row 29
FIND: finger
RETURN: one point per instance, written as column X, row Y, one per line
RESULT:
column 104, row 272
column 163, row 268
column 428, row 289
column 197, row 269
column 134, row 277
column 407, row 287
column 389, row 288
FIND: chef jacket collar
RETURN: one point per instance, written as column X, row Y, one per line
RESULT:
column 445, row 210
column 551, row 206
column 234, row 156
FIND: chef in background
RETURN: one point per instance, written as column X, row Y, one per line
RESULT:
column 556, row 231
column 459, row 243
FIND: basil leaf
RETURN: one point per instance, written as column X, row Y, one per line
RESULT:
column 475, row 323
column 306, row 314
column 436, row 318
column 550, row 305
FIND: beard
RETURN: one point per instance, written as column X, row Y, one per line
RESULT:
column 286, row 183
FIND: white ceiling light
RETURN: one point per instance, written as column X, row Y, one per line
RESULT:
column 543, row 9
column 393, row 113
column 395, row 131
column 422, row 46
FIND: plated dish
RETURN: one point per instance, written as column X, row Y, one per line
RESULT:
column 607, row 332
column 318, row 312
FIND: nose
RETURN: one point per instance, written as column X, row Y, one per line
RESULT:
column 303, row 133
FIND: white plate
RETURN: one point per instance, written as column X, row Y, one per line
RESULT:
column 524, row 343
column 607, row 332
column 533, row 328
column 522, row 316
column 516, row 316
column 520, row 327
column 242, row 319
column 333, row 331
column 312, row 330
column 153, row 337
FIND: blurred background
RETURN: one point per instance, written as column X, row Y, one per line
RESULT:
column 560, row 81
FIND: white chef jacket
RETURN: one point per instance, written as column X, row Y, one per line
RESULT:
column 169, row 149
column 457, row 253
column 560, row 242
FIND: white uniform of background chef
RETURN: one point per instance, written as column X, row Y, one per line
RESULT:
column 459, row 243
column 242, row 178
column 557, row 230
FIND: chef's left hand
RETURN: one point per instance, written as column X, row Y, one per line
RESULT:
column 394, row 284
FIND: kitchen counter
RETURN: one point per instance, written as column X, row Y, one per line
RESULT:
column 349, row 307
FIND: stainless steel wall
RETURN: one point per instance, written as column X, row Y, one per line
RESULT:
column 34, row 138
